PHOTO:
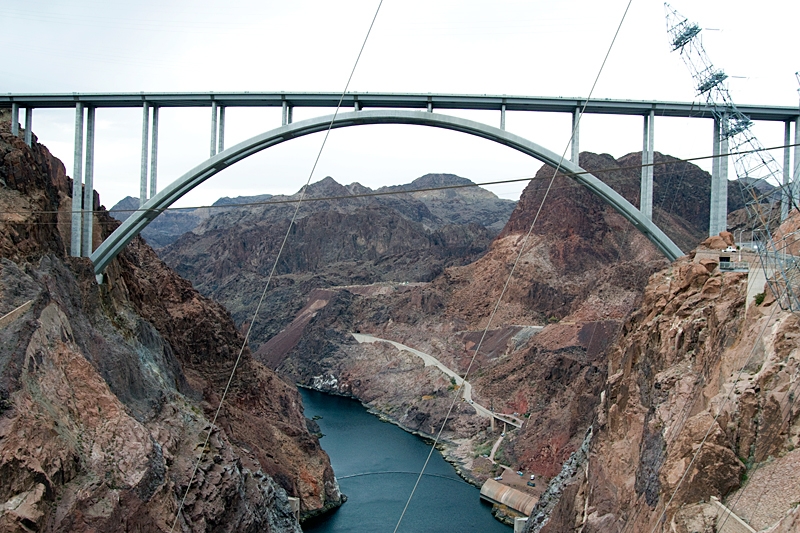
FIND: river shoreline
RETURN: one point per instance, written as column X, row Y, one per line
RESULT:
column 449, row 450
column 445, row 447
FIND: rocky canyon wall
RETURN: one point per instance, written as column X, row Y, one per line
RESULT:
column 107, row 391
column 699, row 403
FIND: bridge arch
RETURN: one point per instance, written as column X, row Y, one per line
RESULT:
column 174, row 191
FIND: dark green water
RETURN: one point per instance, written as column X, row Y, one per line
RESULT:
column 377, row 464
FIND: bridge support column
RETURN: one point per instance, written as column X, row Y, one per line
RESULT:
column 154, row 154
column 15, row 120
column 503, row 116
column 145, row 135
column 430, row 107
column 221, row 130
column 646, row 189
column 151, row 154
column 29, row 126
column 718, row 216
column 796, row 175
column 786, row 196
column 213, row 129
column 217, row 128
column 286, row 116
column 576, row 135
column 88, row 187
column 77, row 184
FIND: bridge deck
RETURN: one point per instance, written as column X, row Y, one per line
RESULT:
column 390, row 100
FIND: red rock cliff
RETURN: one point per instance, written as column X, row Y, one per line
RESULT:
column 106, row 392
column 699, row 403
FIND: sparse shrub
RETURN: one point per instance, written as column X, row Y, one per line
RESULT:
column 483, row 449
column 759, row 299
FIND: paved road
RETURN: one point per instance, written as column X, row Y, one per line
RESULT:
column 466, row 387
column 494, row 449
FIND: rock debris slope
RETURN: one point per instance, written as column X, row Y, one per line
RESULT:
column 106, row 392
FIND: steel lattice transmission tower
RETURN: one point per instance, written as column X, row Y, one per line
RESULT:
column 768, row 194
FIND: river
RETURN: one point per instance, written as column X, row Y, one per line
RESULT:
column 377, row 464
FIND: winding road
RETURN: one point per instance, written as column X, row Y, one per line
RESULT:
column 429, row 360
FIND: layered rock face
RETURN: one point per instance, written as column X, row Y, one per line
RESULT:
column 107, row 392
column 699, row 403
column 341, row 237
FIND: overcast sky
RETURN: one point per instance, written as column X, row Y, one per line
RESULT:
column 527, row 47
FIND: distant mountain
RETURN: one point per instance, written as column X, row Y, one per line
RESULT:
column 167, row 226
column 173, row 223
column 343, row 234
column 462, row 205
column 239, row 200
column 434, row 209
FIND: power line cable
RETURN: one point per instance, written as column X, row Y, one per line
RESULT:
column 291, row 200
column 272, row 272
column 513, row 268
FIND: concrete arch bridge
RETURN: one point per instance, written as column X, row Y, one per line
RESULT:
column 415, row 109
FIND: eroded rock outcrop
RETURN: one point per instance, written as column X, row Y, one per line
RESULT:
column 107, row 392
column 699, row 403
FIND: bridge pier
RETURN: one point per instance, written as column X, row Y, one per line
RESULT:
column 718, row 216
column 787, row 197
column 154, row 153
column 77, row 184
column 88, row 187
column 221, row 130
column 217, row 128
column 286, row 113
column 82, row 193
column 15, row 120
column 503, row 116
column 646, row 189
column 145, row 135
column 576, row 135
column 796, row 175
column 29, row 126
column 213, row 129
